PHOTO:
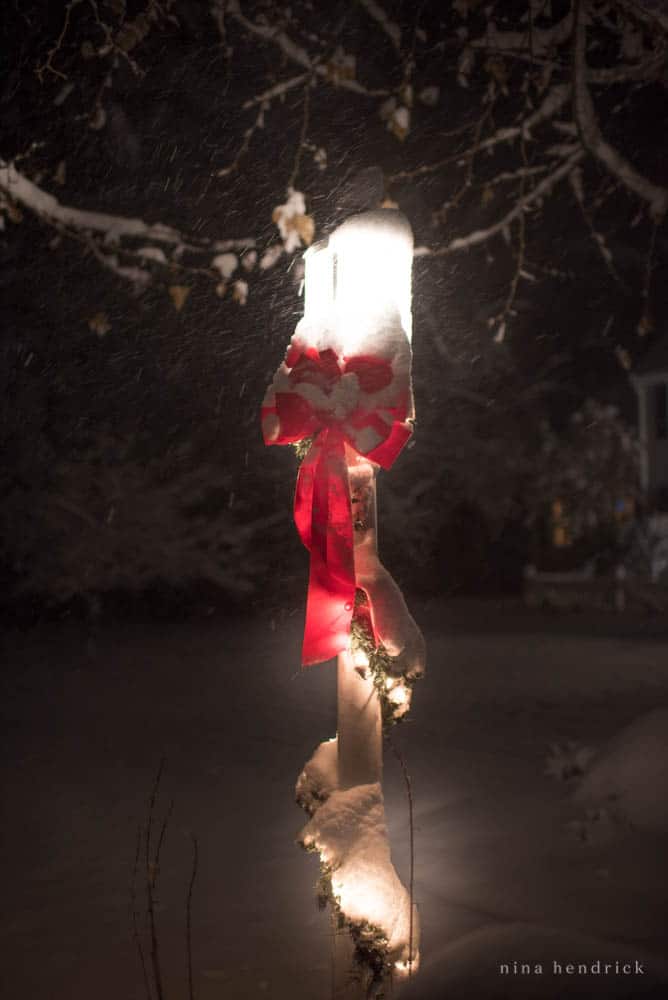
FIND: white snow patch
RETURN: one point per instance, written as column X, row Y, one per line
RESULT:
column 474, row 966
column 270, row 256
column 226, row 264
column 320, row 776
column 367, row 438
column 350, row 833
column 375, row 336
column 152, row 253
column 240, row 292
column 381, row 336
column 630, row 774
column 284, row 214
column 321, row 334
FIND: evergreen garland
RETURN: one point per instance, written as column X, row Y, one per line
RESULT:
column 381, row 664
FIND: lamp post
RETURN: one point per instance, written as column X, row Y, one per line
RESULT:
column 344, row 389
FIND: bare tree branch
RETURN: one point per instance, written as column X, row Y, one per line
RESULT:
column 391, row 28
column 543, row 40
column 302, row 135
column 655, row 18
column 590, row 133
column 479, row 236
column 296, row 53
column 278, row 90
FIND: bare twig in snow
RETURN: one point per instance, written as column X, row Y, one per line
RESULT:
column 189, row 953
column 151, row 876
column 135, row 927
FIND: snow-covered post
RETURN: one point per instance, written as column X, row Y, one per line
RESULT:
column 343, row 396
column 359, row 723
column 372, row 256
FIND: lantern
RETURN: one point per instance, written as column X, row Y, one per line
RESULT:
column 344, row 388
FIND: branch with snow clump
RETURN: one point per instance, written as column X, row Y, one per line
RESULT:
column 534, row 196
column 391, row 28
column 299, row 55
column 112, row 229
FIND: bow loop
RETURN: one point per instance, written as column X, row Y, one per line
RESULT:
column 359, row 401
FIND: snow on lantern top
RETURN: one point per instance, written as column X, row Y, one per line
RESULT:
column 362, row 270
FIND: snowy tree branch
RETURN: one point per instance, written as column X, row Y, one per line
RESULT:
column 112, row 229
column 478, row 236
column 597, row 237
column 655, row 18
column 278, row 90
column 543, row 40
column 554, row 100
column 391, row 28
column 47, row 206
column 296, row 53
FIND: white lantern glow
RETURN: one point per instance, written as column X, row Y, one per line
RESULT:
column 362, row 272
column 373, row 255
column 318, row 282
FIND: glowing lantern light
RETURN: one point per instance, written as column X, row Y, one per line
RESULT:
column 373, row 256
column 363, row 270
column 318, row 282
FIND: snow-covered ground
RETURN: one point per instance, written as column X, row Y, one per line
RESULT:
column 512, row 864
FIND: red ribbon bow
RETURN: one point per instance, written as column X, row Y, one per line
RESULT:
column 321, row 402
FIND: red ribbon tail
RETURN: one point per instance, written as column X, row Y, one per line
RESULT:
column 324, row 521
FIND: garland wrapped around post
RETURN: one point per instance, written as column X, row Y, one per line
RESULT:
column 343, row 397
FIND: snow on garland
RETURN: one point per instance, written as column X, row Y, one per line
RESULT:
column 347, row 828
column 349, row 832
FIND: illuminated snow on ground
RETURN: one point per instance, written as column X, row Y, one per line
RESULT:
column 510, row 863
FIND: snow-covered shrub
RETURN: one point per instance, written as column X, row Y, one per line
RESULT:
column 648, row 548
column 568, row 763
column 629, row 775
column 111, row 519
column 621, row 785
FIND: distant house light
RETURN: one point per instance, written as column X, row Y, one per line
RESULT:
column 561, row 533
